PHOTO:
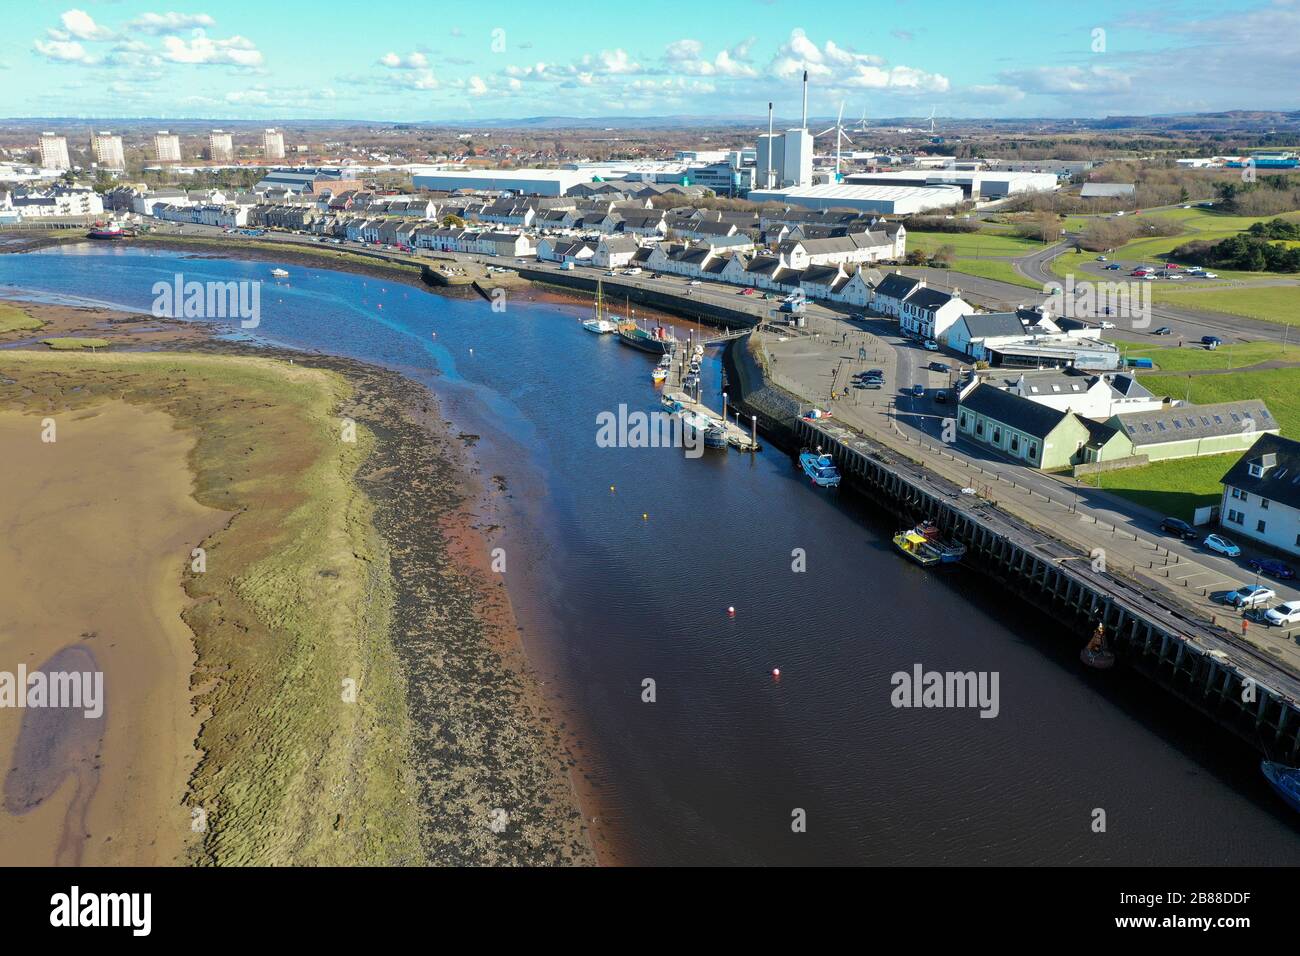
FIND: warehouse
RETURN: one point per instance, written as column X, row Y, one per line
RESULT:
column 530, row 182
column 889, row 200
column 974, row 184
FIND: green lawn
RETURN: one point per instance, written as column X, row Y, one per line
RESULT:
column 1180, row 486
column 1271, row 303
column 14, row 319
column 993, row 269
column 1194, row 357
column 973, row 243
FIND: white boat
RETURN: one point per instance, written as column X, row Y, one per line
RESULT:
column 598, row 323
column 279, row 273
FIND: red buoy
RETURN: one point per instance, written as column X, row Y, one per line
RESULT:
column 731, row 612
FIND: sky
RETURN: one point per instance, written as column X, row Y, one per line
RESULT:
column 508, row 59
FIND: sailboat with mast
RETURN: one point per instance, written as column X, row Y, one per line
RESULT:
column 598, row 323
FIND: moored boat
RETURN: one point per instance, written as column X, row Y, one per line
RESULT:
column 716, row 436
column 106, row 230
column 657, row 339
column 659, row 374
column 280, row 273
column 599, row 323
column 916, row 547
column 950, row 552
column 1285, row 780
column 821, row 469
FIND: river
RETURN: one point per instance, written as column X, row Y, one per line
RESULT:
column 727, row 756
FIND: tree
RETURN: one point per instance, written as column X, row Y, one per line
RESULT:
column 451, row 220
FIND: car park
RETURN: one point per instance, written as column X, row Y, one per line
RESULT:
column 1179, row 527
column 1250, row 595
column 1273, row 568
column 1221, row 545
column 1286, row 613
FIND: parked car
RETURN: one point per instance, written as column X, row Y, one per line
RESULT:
column 938, row 366
column 918, row 390
column 941, row 397
column 1209, row 275
column 930, row 345
column 1286, row 613
column 1180, row 528
column 694, row 282
column 1114, row 267
column 1163, row 330
column 1211, row 341
column 1273, row 568
column 1221, row 545
column 1106, row 325
column 1101, row 258
column 1250, row 595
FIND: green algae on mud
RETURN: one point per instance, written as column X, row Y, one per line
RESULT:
column 359, row 704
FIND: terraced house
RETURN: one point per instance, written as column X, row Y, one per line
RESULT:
column 1038, row 435
column 1261, row 494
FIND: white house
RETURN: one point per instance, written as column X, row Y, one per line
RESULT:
column 929, row 312
column 1087, row 395
column 615, row 252
column 893, row 291
column 1261, row 496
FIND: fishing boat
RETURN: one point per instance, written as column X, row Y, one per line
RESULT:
column 716, row 436
column 1097, row 654
column 106, row 230
column 279, row 273
column 1285, row 780
column 950, row 552
column 915, row 546
column 659, row 375
column 598, row 323
column 657, row 339
column 821, row 469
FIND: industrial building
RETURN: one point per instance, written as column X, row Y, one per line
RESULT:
column 888, row 200
column 974, row 184
column 538, row 182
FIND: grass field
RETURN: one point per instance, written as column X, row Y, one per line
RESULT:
column 295, row 598
column 1271, row 303
column 1179, row 487
column 969, row 244
column 993, row 269
column 1195, row 358
column 14, row 319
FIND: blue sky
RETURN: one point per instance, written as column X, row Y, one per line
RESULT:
column 456, row 59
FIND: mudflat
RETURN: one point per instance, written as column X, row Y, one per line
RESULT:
column 97, row 529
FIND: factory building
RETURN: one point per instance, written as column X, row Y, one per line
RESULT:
column 974, row 184
column 530, row 182
column 791, row 156
column 887, row 200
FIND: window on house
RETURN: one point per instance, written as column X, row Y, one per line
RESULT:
column 1177, row 423
column 1033, row 450
column 963, row 419
column 997, row 435
column 979, row 428
column 1245, row 497
column 1236, row 493
column 1260, row 526
column 1263, row 504
column 1015, row 442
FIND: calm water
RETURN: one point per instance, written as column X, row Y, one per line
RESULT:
column 712, row 771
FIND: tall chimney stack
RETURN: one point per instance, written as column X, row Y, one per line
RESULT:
column 805, row 100
column 767, row 183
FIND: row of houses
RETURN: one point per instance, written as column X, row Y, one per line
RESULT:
column 61, row 200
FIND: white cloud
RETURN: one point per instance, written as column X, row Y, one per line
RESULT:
column 840, row 69
column 687, row 56
column 1069, row 80
column 203, row 50
column 413, row 61
column 159, row 23
column 64, row 51
column 80, row 24
column 476, row 86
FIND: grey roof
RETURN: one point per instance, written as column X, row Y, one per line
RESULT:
column 1048, row 382
column 1181, row 422
column 929, row 299
column 990, row 325
column 1280, row 458
column 1030, row 417
column 896, row 285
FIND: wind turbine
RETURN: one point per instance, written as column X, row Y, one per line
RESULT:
column 862, row 123
column 840, row 136
column 932, row 109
